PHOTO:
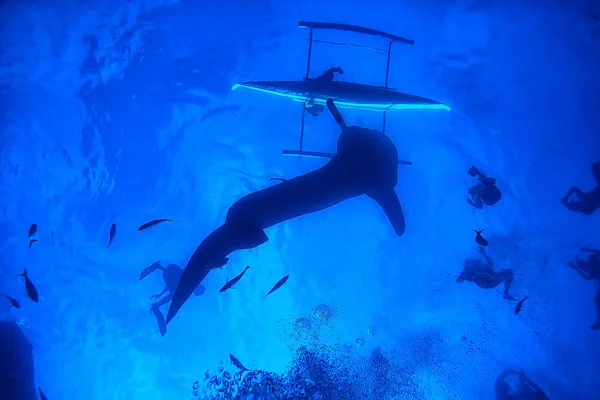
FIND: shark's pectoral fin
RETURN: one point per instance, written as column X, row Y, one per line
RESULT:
column 243, row 235
column 218, row 263
column 251, row 236
column 389, row 202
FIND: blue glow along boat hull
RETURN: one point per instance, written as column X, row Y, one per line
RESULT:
column 345, row 95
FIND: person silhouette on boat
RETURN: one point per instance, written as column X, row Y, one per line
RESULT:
column 326, row 77
column 590, row 270
column 329, row 74
column 485, row 192
column 585, row 203
column 483, row 274
column 171, row 275
column 513, row 385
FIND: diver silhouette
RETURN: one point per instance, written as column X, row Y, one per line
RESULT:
column 171, row 275
column 366, row 162
column 485, row 192
column 483, row 274
column 524, row 388
column 586, row 203
column 590, row 270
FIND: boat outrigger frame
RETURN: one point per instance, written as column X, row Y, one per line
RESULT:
column 345, row 94
column 349, row 28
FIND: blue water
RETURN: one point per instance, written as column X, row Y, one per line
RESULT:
column 122, row 112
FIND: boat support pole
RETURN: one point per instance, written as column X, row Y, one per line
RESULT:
column 310, row 42
column 387, row 77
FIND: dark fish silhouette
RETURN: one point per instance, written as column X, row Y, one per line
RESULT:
column 237, row 363
column 30, row 287
column 278, row 285
column 520, row 304
column 278, row 179
column 12, row 300
column 111, row 234
column 235, row 280
column 148, row 270
column 154, row 222
column 480, row 240
column 32, row 233
column 42, row 395
column 32, row 230
column 365, row 164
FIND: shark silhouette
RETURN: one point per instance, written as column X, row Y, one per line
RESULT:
column 366, row 162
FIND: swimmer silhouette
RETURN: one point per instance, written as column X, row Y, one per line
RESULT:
column 366, row 163
column 585, row 203
column 513, row 385
column 485, row 192
column 171, row 276
column 484, row 276
column 590, row 270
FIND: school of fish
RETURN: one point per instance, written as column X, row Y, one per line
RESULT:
column 33, row 295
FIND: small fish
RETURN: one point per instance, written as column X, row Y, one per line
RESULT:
column 30, row 287
column 237, row 363
column 42, row 395
column 278, row 179
column 480, row 240
column 229, row 284
column 148, row 270
column 520, row 304
column 12, row 300
column 278, row 285
column 111, row 235
column 154, row 222
column 32, row 232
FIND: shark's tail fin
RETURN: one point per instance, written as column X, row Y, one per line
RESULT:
column 233, row 235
